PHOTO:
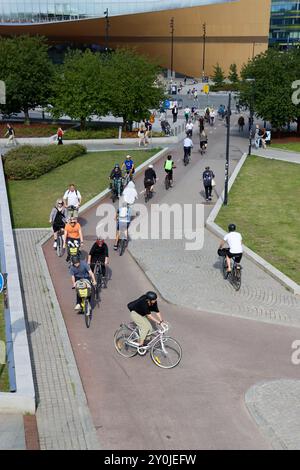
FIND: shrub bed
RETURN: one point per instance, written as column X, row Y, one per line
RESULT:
column 29, row 162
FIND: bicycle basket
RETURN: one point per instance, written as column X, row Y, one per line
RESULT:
column 83, row 288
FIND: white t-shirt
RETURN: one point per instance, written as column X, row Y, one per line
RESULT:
column 187, row 142
column 189, row 126
column 187, row 111
column 234, row 240
column 72, row 198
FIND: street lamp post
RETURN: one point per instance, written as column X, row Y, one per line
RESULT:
column 204, row 47
column 227, row 151
column 251, row 80
column 172, row 45
column 106, row 29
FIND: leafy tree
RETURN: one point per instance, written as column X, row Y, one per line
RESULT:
column 233, row 74
column 27, row 72
column 270, row 90
column 81, row 88
column 218, row 76
column 134, row 87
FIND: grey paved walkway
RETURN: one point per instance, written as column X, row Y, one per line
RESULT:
column 193, row 278
column 275, row 406
column 278, row 154
column 12, row 436
column 63, row 418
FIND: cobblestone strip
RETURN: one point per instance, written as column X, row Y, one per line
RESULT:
column 275, row 407
column 63, row 418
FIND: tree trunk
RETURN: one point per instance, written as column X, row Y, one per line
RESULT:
column 298, row 125
column 26, row 113
column 127, row 125
column 82, row 124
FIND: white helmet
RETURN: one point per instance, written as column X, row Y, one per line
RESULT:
column 150, row 166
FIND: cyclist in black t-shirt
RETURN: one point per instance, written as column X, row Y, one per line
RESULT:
column 99, row 251
column 141, row 312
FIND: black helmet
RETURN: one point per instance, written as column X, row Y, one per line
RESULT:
column 75, row 259
column 151, row 295
column 231, row 227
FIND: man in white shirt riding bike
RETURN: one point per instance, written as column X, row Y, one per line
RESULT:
column 234, row 241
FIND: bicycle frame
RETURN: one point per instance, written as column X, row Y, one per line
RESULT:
column 158, row 336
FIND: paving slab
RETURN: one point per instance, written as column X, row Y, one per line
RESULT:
column 12, row 434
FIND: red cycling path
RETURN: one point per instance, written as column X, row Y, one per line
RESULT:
column 200, row 403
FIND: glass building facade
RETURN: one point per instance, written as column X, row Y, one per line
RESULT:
column 285, row 23
column 38, row 11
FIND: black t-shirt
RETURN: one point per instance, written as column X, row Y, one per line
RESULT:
column 99, row 252
column 150, row 174
column 142, row 307
column 59, row 219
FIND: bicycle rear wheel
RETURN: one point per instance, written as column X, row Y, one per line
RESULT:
column 166, row 353
column 87, row 313
column 224, row 268
column 120, row 341
column 167, row 182
column 122, row 244
column 236, row 279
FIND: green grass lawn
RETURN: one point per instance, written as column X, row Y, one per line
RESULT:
column 264, row 204
column 4, row 380
column 31, row 201
column 291, row 146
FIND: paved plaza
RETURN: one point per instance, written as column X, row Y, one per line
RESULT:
column 237, row 373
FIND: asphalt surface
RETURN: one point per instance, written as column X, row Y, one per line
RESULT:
column 199, row 404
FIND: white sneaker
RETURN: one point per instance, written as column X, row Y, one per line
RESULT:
column 77, row 307
column 55, row 245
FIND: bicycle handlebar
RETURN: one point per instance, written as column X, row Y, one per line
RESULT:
column 163, row 327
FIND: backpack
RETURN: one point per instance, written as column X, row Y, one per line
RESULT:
column 207, row 178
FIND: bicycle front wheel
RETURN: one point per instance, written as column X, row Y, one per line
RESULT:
column 121, row 342
column 166, row 353
column 98, row 276
column 59, row 246
column 87, row 313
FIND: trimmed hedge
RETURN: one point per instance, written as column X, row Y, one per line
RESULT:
column 29, row 162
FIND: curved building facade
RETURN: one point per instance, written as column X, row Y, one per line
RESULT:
column 234, row 32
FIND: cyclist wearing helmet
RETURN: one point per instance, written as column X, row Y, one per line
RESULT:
column 169, row 165
column 234, row 241
column 80, row 270
column 129, row 165
column 149, row 178
column 58, row 219
column 116, row 179
column 141, row 312
column 99, row 251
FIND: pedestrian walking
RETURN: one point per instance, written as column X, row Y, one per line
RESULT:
column 208, row 182
column 142, row 134
column 187, row 114
column 11, row 135
column 241, row 123
column 175, row 113
column 60, row 134
column 201, row 124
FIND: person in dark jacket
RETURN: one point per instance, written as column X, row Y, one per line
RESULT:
column 150, row 177
column 208, row 176
column 99, row 252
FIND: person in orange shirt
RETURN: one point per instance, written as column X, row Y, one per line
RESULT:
column 73, row 234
